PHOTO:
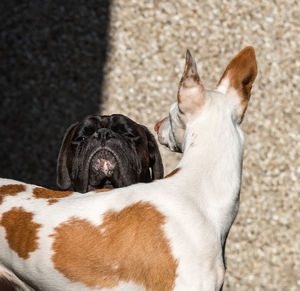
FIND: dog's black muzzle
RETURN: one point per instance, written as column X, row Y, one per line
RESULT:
column 108, row 151
column 106, row 162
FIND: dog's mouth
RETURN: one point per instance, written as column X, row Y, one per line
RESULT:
column 102, row 166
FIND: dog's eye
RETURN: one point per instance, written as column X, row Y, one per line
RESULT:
column 78, row 139
column 88, row 131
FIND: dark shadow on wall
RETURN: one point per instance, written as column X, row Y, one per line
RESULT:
column 52, row 55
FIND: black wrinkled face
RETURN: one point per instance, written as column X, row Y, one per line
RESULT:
column 108, row 152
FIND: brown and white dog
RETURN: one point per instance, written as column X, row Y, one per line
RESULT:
column 165, row 235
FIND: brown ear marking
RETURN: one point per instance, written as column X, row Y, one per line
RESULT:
column 21, row 231
column 190, row 94
column 241, row 73
column 12, row 189
column 129, row 246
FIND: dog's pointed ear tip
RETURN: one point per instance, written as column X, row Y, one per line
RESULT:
column 188, row 57
column 248, row 50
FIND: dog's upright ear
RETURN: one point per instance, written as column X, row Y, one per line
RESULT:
column 63, row 179
column 238, row 78
column 156, row 164
column 191, row 95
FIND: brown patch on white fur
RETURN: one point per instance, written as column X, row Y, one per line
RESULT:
column 21, row 231
column 241, row 73
column 172, row 173
column 101, row 190
column 129, row 246
column 12, row 189
column 47, row 193
column 52, row 201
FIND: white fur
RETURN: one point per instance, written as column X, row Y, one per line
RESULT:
column 224, row 86
column 184, row 228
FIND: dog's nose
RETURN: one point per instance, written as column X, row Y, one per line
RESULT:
column 103, row 134
column 158, row 124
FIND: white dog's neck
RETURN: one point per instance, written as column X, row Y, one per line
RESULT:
column 211, row 166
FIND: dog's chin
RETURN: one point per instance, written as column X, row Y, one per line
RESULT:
column 101, row 169
column 104, row 184
column 172, row 146
column 167, row 139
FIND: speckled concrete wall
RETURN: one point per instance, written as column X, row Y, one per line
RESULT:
column 148, row 40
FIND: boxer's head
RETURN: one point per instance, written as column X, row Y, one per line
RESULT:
column 108, row 151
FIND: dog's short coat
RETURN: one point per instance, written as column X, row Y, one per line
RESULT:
column 165, row 235
column 107, row 151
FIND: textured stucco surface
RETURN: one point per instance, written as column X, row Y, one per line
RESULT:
column 148, row 40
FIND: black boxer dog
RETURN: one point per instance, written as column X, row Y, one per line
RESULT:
column 108, row 151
